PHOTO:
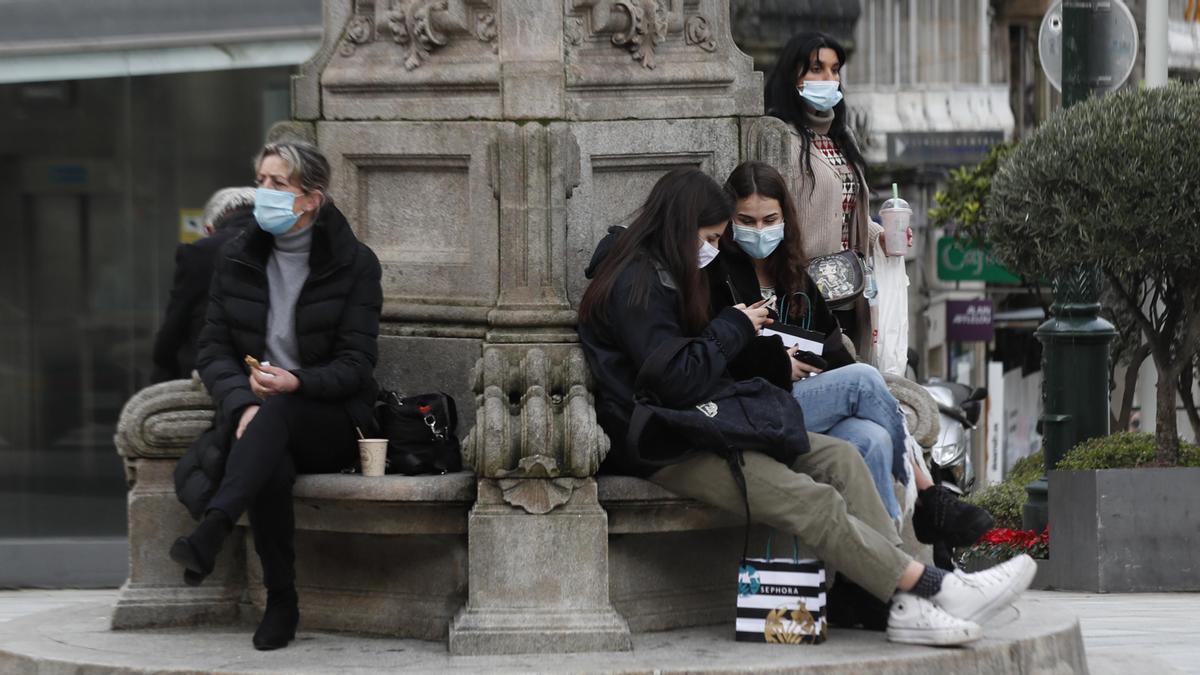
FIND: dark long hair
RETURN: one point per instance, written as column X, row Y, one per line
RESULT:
column 783, row 101
column 664, row 229
column 787, row 262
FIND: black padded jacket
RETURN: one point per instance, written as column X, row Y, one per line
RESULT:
column 337, row 329
column 617, row 347
column 337, row 319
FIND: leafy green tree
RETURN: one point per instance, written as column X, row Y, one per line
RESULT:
column 1113, row 185
column 961, row 203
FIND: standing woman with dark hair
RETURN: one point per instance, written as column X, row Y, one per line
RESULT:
column 832, row 201
column 647, row 290
column 301, row 292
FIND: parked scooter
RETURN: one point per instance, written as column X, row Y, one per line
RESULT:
column 959, row 408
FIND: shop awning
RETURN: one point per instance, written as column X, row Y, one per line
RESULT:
column 43, row 40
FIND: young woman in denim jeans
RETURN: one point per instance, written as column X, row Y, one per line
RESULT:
column 648, row 289
column 763, row 257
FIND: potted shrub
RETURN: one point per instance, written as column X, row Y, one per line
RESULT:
column 1106, row 187
column 1121, row 522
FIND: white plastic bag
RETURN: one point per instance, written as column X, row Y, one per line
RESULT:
column 890, row 313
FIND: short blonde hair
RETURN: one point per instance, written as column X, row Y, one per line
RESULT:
column 308, row 166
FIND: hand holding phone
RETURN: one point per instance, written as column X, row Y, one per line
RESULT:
column 758, row 315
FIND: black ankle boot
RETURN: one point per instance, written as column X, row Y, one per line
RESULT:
column 940, row 515
column 278, row 625
column 198, row 551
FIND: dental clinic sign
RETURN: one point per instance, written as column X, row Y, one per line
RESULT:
column 969, row 321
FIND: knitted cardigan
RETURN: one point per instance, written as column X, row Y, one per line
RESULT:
column 818, row 200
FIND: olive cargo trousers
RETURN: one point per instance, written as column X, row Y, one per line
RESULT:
column 827, row 498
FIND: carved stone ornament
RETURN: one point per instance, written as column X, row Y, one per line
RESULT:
column 412, row 27
column 647, row 28
column 697, row 32
column 358, row 32
column 535, row 486
column 535, row 417
column 538, row 496
column 641, row 27
column 420, row 27
column 486, row 30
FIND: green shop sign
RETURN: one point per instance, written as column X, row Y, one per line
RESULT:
column 958, row 262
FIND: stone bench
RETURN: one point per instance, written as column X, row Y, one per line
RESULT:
column 389, row 555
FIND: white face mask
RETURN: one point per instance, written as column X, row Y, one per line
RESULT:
column 707, row 253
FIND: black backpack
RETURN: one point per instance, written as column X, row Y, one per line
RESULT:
column 724, row 417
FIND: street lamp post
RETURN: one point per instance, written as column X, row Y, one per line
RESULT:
column 1075, row 339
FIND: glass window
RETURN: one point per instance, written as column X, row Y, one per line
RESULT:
column 94, row 187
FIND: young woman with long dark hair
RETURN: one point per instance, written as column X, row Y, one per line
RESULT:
column 763, row 258
column 804, row 90
column 647, row 290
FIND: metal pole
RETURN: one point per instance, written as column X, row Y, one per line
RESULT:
column 1075, row 405
column 895, row 6
column 1156, row 42
column 913, row 41
column 985, row 42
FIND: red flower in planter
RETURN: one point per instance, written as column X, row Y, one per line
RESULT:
column 1003, row 543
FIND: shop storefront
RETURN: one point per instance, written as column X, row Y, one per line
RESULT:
column 118, row 123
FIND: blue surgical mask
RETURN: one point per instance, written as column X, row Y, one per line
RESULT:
column 758, row 243
column 821, row 94
column 273, row 210
column 707, row 254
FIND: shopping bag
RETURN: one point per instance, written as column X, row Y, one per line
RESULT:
column 890, row 314
column 781, row 600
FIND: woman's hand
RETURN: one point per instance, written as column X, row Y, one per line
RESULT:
column 266, row 381
column 757, row 313
column 800, row 369
column 247, row 414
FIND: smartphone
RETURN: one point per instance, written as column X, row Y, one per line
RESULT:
column 811, row 359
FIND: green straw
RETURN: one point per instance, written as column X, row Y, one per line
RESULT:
column 895, row 192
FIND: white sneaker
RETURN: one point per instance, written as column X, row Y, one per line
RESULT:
column 980, row 595
column 916, row 621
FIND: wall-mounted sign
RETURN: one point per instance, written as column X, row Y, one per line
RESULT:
column 969, row 321
column 959, row 262
column 940, row 148
column 191, row 225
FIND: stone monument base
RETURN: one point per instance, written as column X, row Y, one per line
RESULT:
column 1032, row 637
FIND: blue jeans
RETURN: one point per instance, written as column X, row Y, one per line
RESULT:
column 853, row 403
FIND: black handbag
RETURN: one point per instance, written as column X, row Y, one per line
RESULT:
column 725, row 418
column 421, row 432
column 730, row 418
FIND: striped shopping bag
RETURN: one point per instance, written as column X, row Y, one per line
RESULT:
column 781, row 600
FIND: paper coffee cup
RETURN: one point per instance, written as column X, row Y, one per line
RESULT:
column 372, row 452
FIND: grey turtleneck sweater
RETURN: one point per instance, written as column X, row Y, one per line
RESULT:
column 287, row 270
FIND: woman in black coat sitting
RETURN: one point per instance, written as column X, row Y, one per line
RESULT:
column 301, row 293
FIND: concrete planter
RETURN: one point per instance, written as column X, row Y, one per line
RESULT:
column 1125, row 530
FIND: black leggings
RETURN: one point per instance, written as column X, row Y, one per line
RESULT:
column 290, row 434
